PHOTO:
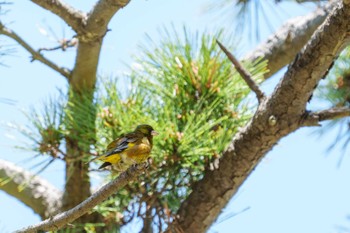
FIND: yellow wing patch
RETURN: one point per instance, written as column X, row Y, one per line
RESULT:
column 113, row 158
column 136, row 152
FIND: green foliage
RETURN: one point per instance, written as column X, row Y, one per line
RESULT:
column 47, row 128
column 184, row 87
column 187, row 90
column 337, row 88
column 52, row 125
column 79, row 117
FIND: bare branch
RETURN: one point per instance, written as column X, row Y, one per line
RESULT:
column 62, row 219
column 276, row 117
column 313, row 119
column 64, row 44
column 35, row 192
column 71, row 16
column 280, row 48
column 35, row 55
column 243, row 72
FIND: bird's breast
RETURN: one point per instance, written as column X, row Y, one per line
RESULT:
column 140, row 150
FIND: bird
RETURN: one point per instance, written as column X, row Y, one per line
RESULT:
column 129, row 149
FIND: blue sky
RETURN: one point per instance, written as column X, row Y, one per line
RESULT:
column 297, row 187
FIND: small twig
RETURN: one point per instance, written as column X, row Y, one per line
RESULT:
column 62, row 219
column 314, row 118
column 64, row 44
column 243, row 72
column 35, row 55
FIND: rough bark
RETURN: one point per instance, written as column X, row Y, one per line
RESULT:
column 280, row 48
column 278, row 115
column 35, row 192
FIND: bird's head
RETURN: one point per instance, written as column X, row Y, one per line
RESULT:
column 147, row 130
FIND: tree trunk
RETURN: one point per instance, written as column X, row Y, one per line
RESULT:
column 77, row 187
column 147, row 221
column 81, row 115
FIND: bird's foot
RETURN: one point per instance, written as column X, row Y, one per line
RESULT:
column 148, row 162
column 138, row 166
column 144, row 165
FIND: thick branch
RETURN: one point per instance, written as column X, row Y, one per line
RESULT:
column 100, row 16
column 90, row 41
column 62, row 219
column 315, row 59
column 243, row 72
column 43, row 198
column 286, row 106
column 71, row 16
column 35, row 55
column 314, row 118
column 280, row 48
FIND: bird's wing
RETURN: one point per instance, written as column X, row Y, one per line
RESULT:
column 119, row 145
column 122, row 143
column 115, row 143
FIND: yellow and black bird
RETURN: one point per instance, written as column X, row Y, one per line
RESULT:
column 129, row 149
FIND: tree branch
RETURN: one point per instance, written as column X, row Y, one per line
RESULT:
column 62, row 219
column 244, row 73
column 35, row 192
column 35, row 55
column 100, row 16
column 286, row 106
column 71, row 16
column 313, row 119
column 91, row 29
column 64, row 44
column 90, row 41
column 280, row 48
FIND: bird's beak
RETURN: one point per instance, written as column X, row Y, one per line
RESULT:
column 154, row 133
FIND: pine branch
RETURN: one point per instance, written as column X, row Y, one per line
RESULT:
column 313, row 119
column 35, row 55
column 280, row 48
column 35, row 192
column 243, row 72
column 62, row 219
column 276, row 117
